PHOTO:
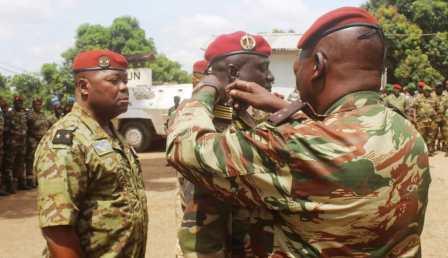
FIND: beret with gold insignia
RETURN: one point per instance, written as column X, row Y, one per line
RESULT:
column 96, row 60
column 235, row 43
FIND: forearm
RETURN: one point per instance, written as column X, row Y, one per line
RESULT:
column 62, row 242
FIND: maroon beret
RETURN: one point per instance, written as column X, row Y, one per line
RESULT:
column 95, row 60
column 397, row 86
column 235, row 43
column 200, row 66
column 18, row 98
column 335, row 20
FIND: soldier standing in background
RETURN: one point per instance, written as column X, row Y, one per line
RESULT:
column 16, row 121
column 396, row 99
column 410, row 100
column 441, row 120
column 3, row 191
column 38, row 125
column 7, row 178
column 199, row 70
column 426, row 116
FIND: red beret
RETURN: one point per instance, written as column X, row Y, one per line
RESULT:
column 235, row 43
column 18, row 98
column 200, row 66
column 397, row 86
column 95, row 60
column 335, row 20
column 421, row 84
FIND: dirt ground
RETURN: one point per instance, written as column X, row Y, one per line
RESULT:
column 20, row 236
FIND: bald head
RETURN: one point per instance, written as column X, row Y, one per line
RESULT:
column 342, row 62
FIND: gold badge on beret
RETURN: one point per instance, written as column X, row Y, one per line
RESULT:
column 248, row 42
column 104, row 62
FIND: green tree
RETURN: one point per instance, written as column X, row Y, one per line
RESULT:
column 437, row 49
column 57, row 79
column 416, row 67
column 27, row 85
column 165, row 70
column 125, row 36
column 5, row 90
column 416, row 31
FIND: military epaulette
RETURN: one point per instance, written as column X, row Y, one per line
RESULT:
column 209, row 80
column 282, row 115
column 246, row 118
column 64, row 137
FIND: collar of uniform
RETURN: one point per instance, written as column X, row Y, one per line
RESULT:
column 89, row 121
column 353, row 101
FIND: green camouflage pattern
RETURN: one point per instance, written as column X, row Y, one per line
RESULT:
column 15, row 143
column 426, row 117
column 94, row 184
column 398, row 102
column 442, row 120
column 38, row 124
column 3, row 175
column 210, row 226
column 354, row 184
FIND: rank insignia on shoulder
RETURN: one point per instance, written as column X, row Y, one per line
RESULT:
column 102, row 147
column 281, row 116
column 63, row 137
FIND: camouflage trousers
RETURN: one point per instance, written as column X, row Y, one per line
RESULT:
column 29, row 159
column 442, row 134
column 428, row 129
column 14, row 158
column 211, row 227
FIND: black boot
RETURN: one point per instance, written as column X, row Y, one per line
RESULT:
column 11, row 187
column 22, row 185
column 30, row 183
column 3, row 193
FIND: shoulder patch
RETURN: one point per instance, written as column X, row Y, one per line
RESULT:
column 281, row 116
column 64, row 137
column 102, row 147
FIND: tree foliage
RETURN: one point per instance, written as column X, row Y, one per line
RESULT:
column 416, row 34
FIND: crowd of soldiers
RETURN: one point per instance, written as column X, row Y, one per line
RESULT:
column 20, row 132
column 426, row 107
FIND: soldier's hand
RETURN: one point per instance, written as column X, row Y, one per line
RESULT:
column 255, row 95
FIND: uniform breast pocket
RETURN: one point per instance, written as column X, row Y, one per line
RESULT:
column 110, row 173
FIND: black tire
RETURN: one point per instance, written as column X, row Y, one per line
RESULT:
column 137, row 134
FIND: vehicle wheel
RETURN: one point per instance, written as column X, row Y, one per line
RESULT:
column 137, row 134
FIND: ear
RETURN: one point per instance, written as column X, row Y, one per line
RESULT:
column 83, row 85
column 320, row 65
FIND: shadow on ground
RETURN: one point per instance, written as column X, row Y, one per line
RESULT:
column 19, row 205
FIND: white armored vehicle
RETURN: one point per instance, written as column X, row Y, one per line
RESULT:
column 148, row 108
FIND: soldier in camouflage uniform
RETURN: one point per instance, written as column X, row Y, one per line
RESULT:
column 442, row 118
column 38, row 125
column 210, row 226
column 15, row 145
column 3, row 191
column 396, row 99
column 91, row 197
column 426, row 115
column 342, row 175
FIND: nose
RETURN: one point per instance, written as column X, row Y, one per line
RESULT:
column 123, row 86
column 270, row 77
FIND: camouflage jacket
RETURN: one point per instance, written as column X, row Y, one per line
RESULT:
column 16, row 123
column 398, row 102
column 426, row 108
column 38, row 124
column 354, row 184
column 2, row 130
column 93, row 182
